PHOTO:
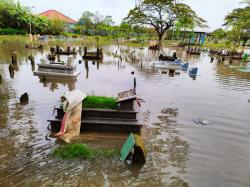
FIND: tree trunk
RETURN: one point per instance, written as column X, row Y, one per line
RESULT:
column 244, row 42
column 160, row 36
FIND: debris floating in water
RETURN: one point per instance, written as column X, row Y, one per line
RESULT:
column 202, row 121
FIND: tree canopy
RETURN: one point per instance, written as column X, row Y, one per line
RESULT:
column 15, row 16
column 239, row 20
column 218, row 34
column 93, row 23
column 162, row 15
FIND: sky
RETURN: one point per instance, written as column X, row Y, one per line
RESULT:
column 213, row 11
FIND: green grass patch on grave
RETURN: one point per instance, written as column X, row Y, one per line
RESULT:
column 99, row 102
column 82, row 151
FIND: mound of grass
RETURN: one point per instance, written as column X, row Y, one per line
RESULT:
column 71, row 151
column 99, row 102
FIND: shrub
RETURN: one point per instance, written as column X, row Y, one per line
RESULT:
column 10, row 31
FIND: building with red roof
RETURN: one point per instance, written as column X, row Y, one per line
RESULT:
column 53, row 14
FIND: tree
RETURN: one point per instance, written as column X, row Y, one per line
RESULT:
column 93, row 23
column 15, row 16
column 126, row 29
column 56, row 27
column 218, row 34
column 239, row 19
column 162, row 15
column 234, row 38
column 86, row 19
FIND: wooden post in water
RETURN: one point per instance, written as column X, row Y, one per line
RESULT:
column 87, row 68
column 85, row 51
column 68, row 49
column 80, row 50
column 11, row 71
column 52, row 50
column 14, row 58
column 0, row 79
column 97, row 65
column 97, row 52
column 57, row 49
column 32, row 61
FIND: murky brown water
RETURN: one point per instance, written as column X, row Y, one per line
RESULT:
column 180, row 152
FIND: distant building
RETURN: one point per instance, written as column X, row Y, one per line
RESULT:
column 53, row 14
column 196, row 36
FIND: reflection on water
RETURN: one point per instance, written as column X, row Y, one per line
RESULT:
column 180, row 153
column 231, row 78
column 52, row 82
column 167, row 148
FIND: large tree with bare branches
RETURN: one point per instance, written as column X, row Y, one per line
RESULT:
column 162, row 15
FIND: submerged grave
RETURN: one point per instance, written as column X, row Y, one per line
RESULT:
column 104, row 114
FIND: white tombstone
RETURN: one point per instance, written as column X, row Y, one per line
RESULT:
column 70, row 60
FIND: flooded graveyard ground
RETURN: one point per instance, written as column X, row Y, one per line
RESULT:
column 180, row 152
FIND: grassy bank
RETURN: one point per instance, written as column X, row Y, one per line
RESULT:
column 72, row 151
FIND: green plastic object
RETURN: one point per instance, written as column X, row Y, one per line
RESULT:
column 238, row 67
column 245, row 57
column 245, row 70
column 127, row 147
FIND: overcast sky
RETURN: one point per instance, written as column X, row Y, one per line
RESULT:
column 213, row 11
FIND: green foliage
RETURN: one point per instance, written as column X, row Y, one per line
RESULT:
column 56, row 27
column 162, row 15
column 10, row 31
column 71, row 151
column 218, row 34
column 99, row 102
column 94, row 24
column 13, row 15
column 239, row 20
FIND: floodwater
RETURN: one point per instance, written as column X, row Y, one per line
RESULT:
column 181, row 153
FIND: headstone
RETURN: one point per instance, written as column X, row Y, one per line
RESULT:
column 70, row 60
column 174, row 55
column 126, row 99
column 133, row 149
column 24, row 99
column 171, row 71
column 127, row 147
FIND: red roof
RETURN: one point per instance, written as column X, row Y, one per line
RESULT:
column 53, row 14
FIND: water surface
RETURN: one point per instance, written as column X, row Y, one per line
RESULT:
column 180, row 152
